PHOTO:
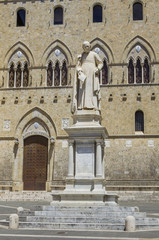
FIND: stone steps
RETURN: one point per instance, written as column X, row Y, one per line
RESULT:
column 85, row 220
column 83, row 226
column 68, row 213
column 114, row 225
column 86, row 208
column 94, row 217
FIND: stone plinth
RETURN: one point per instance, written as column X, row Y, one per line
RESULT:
column 85, row 181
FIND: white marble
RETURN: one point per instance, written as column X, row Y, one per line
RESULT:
column 71, row 159
column 99, row 169
column 86, row 94
column 86, row 137
column 84, row 160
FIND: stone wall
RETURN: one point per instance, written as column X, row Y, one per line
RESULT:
column 127, row 164
column 131, row 159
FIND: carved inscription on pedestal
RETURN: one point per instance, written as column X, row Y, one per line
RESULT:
column 84, row 160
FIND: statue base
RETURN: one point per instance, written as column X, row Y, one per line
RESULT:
column 85, row 181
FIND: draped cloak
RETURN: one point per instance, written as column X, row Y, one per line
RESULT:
column 86, row 94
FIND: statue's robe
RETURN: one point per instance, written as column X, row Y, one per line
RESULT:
column 87, row 94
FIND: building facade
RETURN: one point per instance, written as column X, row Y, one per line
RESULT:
column 39, row 45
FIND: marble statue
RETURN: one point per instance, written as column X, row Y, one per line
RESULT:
column 86, row 94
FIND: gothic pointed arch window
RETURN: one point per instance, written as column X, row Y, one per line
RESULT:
column 137, row 11
column 139, row 65
column 146, row 70
column 11, row 76
column 97, row 13
column 131, row 71
column 139, row 121
column 19, row 67
column 105, row 73
column 25, row 75
column 21, row 18
column 64, row 74
column 58, row 16
column 138, row 71
column 57, row 69
column 49, row 74
column 57, row 74
column 18, row 75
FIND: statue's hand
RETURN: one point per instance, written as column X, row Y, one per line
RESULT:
column 96, row 71
column 79, row 57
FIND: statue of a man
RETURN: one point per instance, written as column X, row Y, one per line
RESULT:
column 86, row 86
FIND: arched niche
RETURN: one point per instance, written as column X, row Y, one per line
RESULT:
column 13, row 51
column 97, row 42
column 35, row 122
column 145, row 46
column 50, row 52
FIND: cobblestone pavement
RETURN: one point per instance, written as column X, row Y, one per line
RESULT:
column 6, row 208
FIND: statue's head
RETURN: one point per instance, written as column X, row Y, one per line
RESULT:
column 86, row 46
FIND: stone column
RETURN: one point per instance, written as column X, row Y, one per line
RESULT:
column 60, row 76
column 99, row 170
column 15, row 77
column 22, row 77
column 134, row 73
column 71, row 159
column 53, row 76
column 142, row 65
column 8, row 79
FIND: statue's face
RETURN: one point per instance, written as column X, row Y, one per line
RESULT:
column 86, row 47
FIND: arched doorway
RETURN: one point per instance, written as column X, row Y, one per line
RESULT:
column 35, row 163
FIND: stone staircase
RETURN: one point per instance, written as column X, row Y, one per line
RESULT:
column 83, row 217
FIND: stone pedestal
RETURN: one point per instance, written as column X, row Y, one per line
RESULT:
column 85, row 181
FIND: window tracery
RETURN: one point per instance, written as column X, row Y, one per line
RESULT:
column 57, row 70
column 64, row 74
column 131, row 72
column 26, row 76
column 49, row 75
column 104, row 72
column 57, row 74
column 146, row 69
column 138, row 71
column 138, row 66
column 18, row 75
column 18, row 70
column 11, row 75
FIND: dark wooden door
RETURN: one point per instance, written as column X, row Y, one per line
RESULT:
column 35, row 163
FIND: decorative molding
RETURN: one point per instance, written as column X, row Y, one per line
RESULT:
column 33, row 133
